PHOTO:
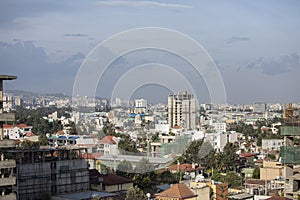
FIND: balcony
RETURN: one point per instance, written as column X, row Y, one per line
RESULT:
column 10, row 196
column 7, row 143
column 7, row 164
column 7, row 181
column 7, row 117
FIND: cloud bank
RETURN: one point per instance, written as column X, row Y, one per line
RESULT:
column 142, row 4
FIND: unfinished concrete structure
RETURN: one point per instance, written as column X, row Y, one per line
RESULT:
column 34, row 173
column 7, row 180
column 46, row 172
column 291, row 151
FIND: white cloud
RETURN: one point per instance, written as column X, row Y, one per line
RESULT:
column 141, row 4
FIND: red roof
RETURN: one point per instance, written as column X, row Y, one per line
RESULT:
column 107, row 140
column 180, row 191
column 29, row 134
column 92, row 155
column 113, row 179
column 9, row 126
column 247, row 155
column 22, row 125
column 185, row 167
column 61, row 132
column 107, row 179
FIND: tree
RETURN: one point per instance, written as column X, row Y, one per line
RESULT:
column 226, row 159
column 144, row 166
column 125, row 168
column 43, row 140
column 127, row 145
column 167, row 177
column 191, row 154
column 144, row 176
column 232, row 178
column 256, row 173
column 135, row 193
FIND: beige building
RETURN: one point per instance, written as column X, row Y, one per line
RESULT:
column 271, row 170
column 201, row 189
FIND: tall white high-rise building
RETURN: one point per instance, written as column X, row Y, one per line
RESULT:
column 182, row 110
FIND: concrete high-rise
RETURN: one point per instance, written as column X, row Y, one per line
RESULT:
column 7, row 180
column 182, row 110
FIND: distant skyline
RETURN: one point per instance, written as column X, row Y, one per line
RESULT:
column 254, row 43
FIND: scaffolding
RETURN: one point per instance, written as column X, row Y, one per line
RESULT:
column 47, row 172
column 7, row 180
column 177, row 147
column 290, row 152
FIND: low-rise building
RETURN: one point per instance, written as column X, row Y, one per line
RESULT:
column 177, row 192
column 272, row 144
column 108, row 145
column 109, row 182
column 271, row 170
column 16, row 131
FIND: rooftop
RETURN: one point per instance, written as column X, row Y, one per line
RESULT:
column 180, row 191
column 107, row 140
column 185, row 167
column 7, row 77
column 135, row 159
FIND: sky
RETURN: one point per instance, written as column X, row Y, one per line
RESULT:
column 254, row 44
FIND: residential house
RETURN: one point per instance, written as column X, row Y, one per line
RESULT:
column 219, row 140
column 16, row 131
column 177, row 192
column 109, row 182
column 189, row 169
column 108, row 145
column 272, row 144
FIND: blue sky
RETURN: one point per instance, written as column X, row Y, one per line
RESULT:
column 255, row 43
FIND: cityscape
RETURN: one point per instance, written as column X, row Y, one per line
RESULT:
column 182, row 149
column 149, row 100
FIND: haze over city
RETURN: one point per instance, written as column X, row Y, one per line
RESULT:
column 255, row 44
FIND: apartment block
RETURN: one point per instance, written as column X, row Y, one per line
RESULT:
column 182, row 110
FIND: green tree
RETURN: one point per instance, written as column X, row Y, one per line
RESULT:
column 125, row 169
column 191, row 154
column 232, row 178
column 135, row 193
column 167, row 177
column 43, row 140
column 127, row 145
column 225, row 160
column 256, row 173
column 144, row 166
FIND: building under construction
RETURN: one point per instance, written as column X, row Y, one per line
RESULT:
column 41, row 173
column 38, row 173
column 290, row 152
column 7, row 166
